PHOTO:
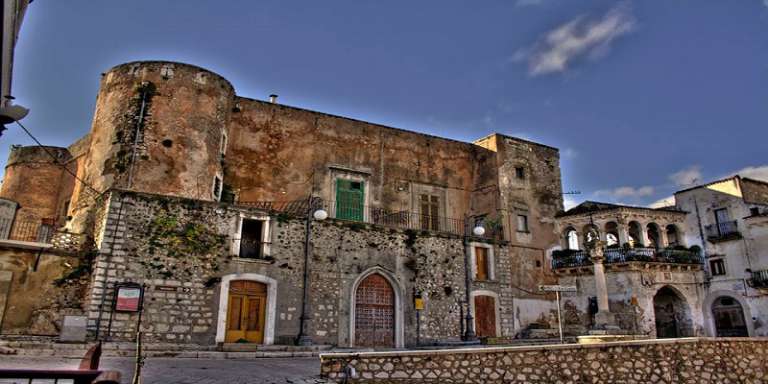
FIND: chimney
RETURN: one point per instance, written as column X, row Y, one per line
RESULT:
column 273, row 98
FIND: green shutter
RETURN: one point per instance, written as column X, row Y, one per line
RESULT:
column 349, row 199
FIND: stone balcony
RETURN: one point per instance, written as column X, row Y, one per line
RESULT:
column 578, row 261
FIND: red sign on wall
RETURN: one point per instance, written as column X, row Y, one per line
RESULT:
column 128, row 298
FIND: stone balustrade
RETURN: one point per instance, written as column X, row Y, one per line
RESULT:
column 688, row 360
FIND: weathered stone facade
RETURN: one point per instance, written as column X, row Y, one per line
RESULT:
column 183, row 280
column 690, row 360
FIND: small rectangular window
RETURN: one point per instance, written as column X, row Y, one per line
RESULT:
column 481, row 264
column 717, row 267
column 251, row 243
column 216, row 188
column 223, row 148
column 520, row 173
column 754, row 211
column 522, row 223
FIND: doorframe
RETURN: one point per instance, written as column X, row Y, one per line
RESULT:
column 497, row 310
column 399, row 317
column 709, row 318
column 269, row 321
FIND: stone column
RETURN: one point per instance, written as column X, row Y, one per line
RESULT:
column 580, row 239
column 663, row 241
column 623, row 233
column 604, row 319
column 644, row 235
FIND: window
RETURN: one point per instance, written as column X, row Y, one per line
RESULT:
column 350, row 197
column 217, row 188
column 520, row 173
column 430, row 212
column 252, row 239
column 481, row 264
column 522, row 223
column 223, row 147
column 573, row 239
column 717, row 267
column 754, row 211
column 722, row 216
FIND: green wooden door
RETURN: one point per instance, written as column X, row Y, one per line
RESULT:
column 349, row 199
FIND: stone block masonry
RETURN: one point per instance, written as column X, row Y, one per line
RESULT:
column 688, row 360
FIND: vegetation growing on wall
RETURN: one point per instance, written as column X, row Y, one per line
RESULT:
column 181, row 248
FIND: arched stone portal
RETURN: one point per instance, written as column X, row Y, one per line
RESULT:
column 672, row 314
column 375, row 313
column 729, row 318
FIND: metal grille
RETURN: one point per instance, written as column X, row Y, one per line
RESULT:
column 374, row 313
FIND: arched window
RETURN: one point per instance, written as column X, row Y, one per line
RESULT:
column 572, row 239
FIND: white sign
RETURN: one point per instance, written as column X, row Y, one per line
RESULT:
column 557, row 288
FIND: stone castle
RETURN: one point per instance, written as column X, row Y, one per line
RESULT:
column 231, row 219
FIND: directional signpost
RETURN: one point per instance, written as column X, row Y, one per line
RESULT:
column 557, row 289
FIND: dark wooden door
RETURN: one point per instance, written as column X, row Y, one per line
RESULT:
column 485, row 316
column 375, row 313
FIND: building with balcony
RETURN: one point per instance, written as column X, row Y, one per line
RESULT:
column 652, row 277
column 200, row 199
column 727, row 219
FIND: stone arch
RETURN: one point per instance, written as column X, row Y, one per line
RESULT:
column 399, row 309
column 497, row 310
column 221, row 321
column 709, row 319
column 590, row 230
column 571, row 239
column 612, row 234
column 635, row 233
column 674, row 235
column 654, row 235
column 672, row 313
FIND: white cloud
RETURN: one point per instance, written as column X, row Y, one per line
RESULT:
column 626, row 192
column 570, row 153
column 665, row 202
column 577, row 38
column 687, row 177
column 569, row 202
column 759, row 172
column 765, row 2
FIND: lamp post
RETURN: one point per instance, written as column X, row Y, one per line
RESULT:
column 320, row 214
column 469, row 333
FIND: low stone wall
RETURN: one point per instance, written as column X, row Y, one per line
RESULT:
column 688, row 360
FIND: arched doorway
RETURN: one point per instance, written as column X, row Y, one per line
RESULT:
column 729, row 318
column 375, row 312
column 246, row 312
column 485, row 316
column 673, row 317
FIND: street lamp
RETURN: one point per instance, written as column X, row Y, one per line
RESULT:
column 478, row 230
column 318, row 214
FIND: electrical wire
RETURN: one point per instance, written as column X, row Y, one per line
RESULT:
column 56, row 159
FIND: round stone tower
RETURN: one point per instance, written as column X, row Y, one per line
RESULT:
column 33, row 180
column 159, row 128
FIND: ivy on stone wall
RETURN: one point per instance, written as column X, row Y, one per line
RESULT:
column 179, row 247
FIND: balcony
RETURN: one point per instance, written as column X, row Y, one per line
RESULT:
column 576, row 259
column 36, row 234
column 39, row 231
column 401, row 219
column 760, row 279
column 727, row 230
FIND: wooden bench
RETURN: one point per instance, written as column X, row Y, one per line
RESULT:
column 87, row 373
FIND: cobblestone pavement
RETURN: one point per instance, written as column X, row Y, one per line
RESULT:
column 191, row 371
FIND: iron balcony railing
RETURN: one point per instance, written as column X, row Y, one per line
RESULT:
column 760, row 279
column 36, row 231
column 570, row 259
column 401, row 219
column 725, row 229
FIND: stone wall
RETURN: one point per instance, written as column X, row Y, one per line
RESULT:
column 631, row 292
column 147, row 241
column 37, row 288
column 692, row 360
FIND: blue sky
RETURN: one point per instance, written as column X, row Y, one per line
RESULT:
column 642, row 97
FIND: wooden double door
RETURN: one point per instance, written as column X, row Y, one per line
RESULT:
column 246, row 312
